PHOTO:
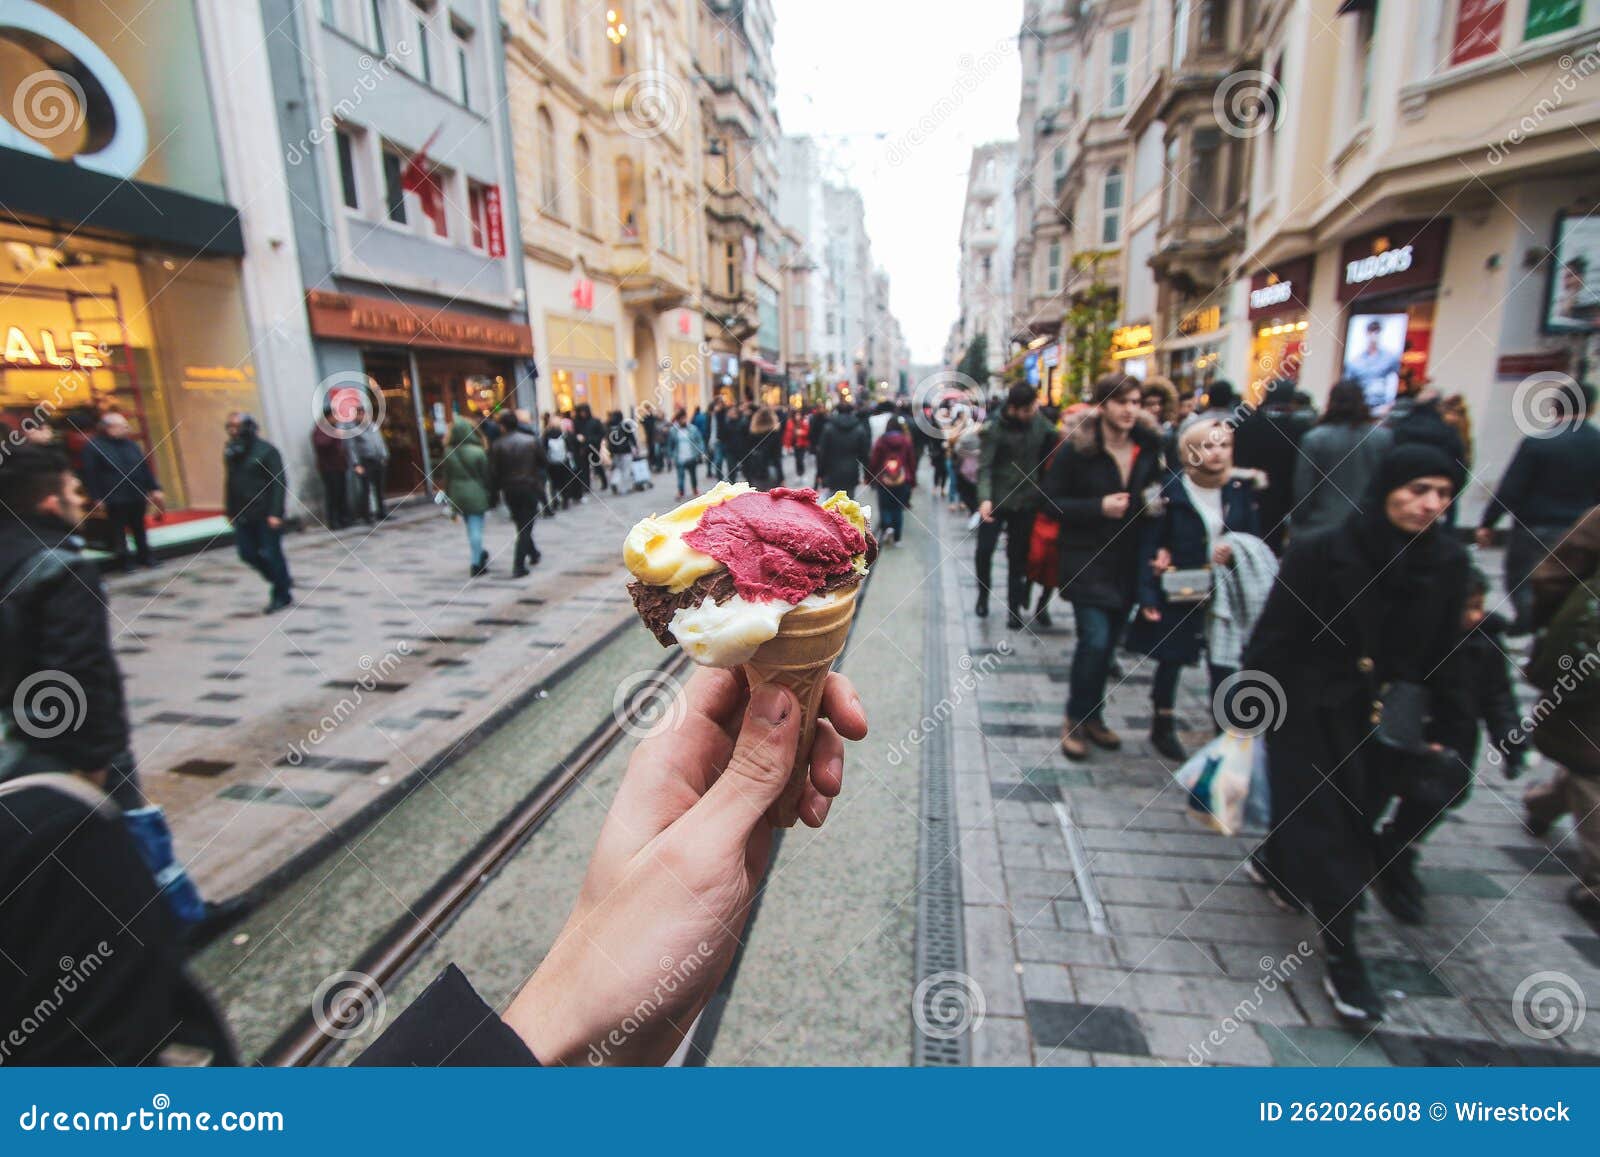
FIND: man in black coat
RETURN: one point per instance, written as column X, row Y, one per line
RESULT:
column 1100, row 483
column 120, row 482
column 255, row 490
column 843, row 453
column 1268, row 439
column 517, row 473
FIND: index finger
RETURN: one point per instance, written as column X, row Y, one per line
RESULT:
column 842, row 706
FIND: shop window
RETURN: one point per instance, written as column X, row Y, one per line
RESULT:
column 585, row 175
column 627, row 199
column 1117, row 73
column 549, row 178
column 464, row 70
column 394, row 191
column 1111, row 208
column 349, row 187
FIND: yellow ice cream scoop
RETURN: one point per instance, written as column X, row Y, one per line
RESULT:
column 655, row 552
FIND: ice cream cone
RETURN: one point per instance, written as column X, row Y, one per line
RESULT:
column 799, row 657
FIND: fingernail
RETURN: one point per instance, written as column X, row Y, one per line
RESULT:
column 769, row 703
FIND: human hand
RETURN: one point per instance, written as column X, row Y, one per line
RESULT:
column 1162, row 561
column 1484, row 537
column 986, row 511
column 1223, row 555
column 274, row 523
column 682, row 852
column 158, row 498
column 1115, row 505
column 360, row 469
column 1151, row 614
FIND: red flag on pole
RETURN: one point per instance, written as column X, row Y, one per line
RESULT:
column 420, row 178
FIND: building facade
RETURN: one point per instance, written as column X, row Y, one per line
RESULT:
column 988, row 240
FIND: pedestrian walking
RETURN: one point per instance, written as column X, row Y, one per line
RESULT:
column 1209, row 522
column 685, row 449
column 1570, row 732
column 797, row 437
column 713, row 430
column 1337, row 460
column 590, row 435
column 966, row 451
column 622, row 446
column 1552, row 480
column 332, row 452
column 1012, row 447
column 650, row 423
column 1101, row 482
column 122, row 486
column 517, row 474
column 1268, row 440
column 844, row 451
column 371, row 456
column 892, row 472
column 254, row 489
column 464, row 478
column 1358, row 644
column 763, row 455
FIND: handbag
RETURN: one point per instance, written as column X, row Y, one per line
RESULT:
column 1186, row 585
column 1044, row 551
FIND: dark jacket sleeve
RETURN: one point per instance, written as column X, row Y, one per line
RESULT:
column 1153, row 535
column 72, row 637
column 448, row 1025
column 1287, row 620
column 94, row 472
column 1448, row 681
column 1512, row 493
column 274, row 488
column 1492, row 677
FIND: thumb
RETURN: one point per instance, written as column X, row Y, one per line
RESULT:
column 759, row 768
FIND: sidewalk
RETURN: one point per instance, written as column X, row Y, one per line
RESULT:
column 1104, row 927
column 261, row 735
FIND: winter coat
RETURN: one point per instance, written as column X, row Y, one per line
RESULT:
column 1335, row 466
column 1099, row 555
column 684, row 444
column 1179, row 635
column 1551, row 481
column 54, row 620
column 620, row 440
column 844, row 452
column 117, row 472
column 886, row 449
column 254, row 487
column 464, row 473
column 332, row 452
column 517, row 463
column 1268, row 439
column 369, row 449
column 1570, row 733
column 763, row 459
column 1011, row 462
column 1342, row 622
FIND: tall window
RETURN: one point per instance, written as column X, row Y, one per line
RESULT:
column 1117, row 74
column 572, row 17
column 535, row 9
column 549, row 178
column 1205, row 167
column 1058, row 161
column 1063, row 78
column 464, row 71
column 1053, row 271
column 731, row 254
column 478, row 211
column 425, row 46
column 585, row 175
column 1181, row 12
column 1366, row 29
column 394, row 191
column 380, row 28
column 1212, row 22
column 1111, row 208
column 627, row 199
column 349, row 190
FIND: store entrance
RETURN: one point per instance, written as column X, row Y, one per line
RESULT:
column 459, row 385
column 391, row 373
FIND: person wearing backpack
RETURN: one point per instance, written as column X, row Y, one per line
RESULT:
column 1565, row 611
column 890, row 470
column 622, row 446
column 558, row 456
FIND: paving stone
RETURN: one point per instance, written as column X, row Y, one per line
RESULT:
column 1087, row 1027
column 1030, row 882
column 1053, row 946
column 1300, row 1046
column 1204, row 1040
column 1001, row 1041
column 982, row 880
column 991, row 960
column 1047, row 982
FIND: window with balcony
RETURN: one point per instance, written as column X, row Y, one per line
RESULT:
column 584, row 158
column 549, row 173
column 1117, row 72
column 1111, row 208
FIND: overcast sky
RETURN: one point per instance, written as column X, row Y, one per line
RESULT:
column 869, row 78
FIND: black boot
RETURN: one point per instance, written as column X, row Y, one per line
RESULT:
column 1164, row 737
column 982, row 609
column 1397, row 885
column 1013, row 619
column 1352, row 994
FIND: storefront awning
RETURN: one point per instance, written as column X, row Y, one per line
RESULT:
column 64, row 194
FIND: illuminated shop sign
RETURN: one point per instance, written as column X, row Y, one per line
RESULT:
column 1409, row 255
column 1281, row 289
column 1205, row 320
column 1132, row 341
column 1378, row 265
column 42, row 349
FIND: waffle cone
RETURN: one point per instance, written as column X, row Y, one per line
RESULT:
column 799, row 657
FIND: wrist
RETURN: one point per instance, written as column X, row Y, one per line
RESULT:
column 545, row 1014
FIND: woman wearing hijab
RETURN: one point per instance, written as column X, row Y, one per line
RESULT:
column 1356, row 643
column 464, row 478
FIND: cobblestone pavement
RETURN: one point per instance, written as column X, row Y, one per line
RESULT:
column 261, row 736
column 1104, row 927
